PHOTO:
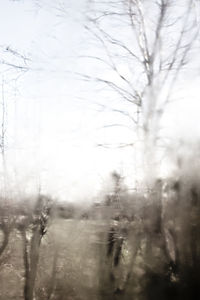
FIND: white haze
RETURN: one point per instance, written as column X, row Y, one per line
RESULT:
column 54, row 123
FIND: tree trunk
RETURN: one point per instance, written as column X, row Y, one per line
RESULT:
column 31, row 259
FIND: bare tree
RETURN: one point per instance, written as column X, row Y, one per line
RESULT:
column 33, row 227
column 12, row 65
column 145, row 49
column 12, row 61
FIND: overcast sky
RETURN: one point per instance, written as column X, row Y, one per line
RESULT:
column 54, row 121
column 54, row 124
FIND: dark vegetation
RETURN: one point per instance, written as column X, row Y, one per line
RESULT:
column 141, row 245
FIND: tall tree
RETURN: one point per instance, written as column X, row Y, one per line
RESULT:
column 145, row 49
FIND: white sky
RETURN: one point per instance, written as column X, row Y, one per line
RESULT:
column 53, row 121
column 52, row 133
